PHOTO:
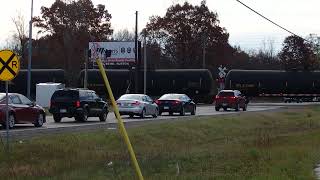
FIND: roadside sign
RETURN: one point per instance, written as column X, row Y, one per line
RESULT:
column 222, row 71
column 9, row 65
column 9, row 69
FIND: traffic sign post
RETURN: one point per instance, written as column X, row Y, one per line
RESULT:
column 9, row 69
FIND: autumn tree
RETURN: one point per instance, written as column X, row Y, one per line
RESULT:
column 67, row 29
column 297, row 54
column 183, row 33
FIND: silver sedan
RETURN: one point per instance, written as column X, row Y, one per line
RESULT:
column 137, row 104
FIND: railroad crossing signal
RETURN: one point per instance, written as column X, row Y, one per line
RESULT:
column 9, row 65
column 222, row 72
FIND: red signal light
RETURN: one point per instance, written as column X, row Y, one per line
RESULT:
column 157, row 102
column 176, row 102
column 77, row 103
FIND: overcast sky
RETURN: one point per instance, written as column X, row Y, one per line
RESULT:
column 246, row 28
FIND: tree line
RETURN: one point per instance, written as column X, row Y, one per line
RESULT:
column 185, row 36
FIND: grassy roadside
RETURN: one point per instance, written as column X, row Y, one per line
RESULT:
column 262, row 145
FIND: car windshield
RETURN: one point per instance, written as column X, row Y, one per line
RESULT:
column 131, row 97
column 170, row 96
column 2, row 97
column 65, row 95
column 226, row 94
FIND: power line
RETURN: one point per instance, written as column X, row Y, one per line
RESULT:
column 271, row 21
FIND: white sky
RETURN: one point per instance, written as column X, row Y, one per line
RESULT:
column 246, row 28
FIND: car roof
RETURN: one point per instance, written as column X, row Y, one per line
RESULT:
column 174, row 94
column 228, row 90
column 10, row 94
column 134, row 94
column 76, row 89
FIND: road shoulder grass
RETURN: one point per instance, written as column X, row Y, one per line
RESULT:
column 260, row 145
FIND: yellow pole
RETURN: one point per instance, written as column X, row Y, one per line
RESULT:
column 123, row 131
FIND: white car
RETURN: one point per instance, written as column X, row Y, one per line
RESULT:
column 137, row 104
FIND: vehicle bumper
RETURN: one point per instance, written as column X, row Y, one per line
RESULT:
column 66, row 112
column 226, row 105
column 128, row 111
column 170, row 108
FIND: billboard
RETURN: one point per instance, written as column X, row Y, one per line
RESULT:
column 120, row 53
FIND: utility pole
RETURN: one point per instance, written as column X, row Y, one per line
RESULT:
column 145, row 65
column 136, row 87
column 30, row 53
column 204, row 57
column 85, row 80
column 204, row 41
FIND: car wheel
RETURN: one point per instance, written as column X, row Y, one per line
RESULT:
column 12, row 121
column 39, row 120
column 217, row 108
column 57, row 118
column 182, row 112
column 84, row 115
column 193, row 112
column 237, row 107
column 103, row 116
column 160, row 113
column 143, row 113
column 170, row 113
column 155, row 113
column 131, row 115
column 225, row 109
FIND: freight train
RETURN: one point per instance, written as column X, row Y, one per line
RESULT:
column 197, row 83
column 275, row 83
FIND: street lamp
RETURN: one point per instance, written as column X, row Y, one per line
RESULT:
column 30, row 53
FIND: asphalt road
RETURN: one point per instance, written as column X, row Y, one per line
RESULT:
column 93, row 123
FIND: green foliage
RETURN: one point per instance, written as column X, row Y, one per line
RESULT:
column 297, row 54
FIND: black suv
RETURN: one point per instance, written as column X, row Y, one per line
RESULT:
column 77, row 103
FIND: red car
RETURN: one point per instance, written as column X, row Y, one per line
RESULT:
column 21, row 111
column 231, row 99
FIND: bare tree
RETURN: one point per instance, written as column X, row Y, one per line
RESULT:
column 19, row 38
column 123, row 35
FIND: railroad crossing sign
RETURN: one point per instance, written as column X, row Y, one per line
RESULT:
column 9, row 65
column 222, row 72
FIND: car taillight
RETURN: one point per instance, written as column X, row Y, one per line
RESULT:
column 137, row 103
column 158, row 102
column 77, row 103
column 217, row 97
column 232, row 98
column 175, row 102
